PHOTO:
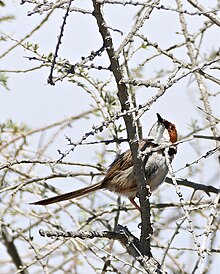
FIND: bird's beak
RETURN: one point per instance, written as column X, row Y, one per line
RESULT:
column 159, row 118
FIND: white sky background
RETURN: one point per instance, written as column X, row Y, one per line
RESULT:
column 32, row 101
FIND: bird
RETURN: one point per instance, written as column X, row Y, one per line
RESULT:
column 120, row 177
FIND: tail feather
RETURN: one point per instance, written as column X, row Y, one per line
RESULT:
column 69, row 195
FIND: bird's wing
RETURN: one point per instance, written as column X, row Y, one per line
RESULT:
column 123, row 161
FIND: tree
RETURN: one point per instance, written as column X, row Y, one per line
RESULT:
column 123, row 61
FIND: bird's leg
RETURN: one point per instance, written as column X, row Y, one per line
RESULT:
column 135, row 204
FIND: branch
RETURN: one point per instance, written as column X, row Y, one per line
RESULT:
column 66, row 121
column 190, row 44
column 212, row 217
column 18, row 186
column 216, row 138
column 184, row 182
column 12, row 249
column 50, row 78
column 213, row 17
column 185, row 210
column 122, row 234
column 130, row 128
column 205, row 156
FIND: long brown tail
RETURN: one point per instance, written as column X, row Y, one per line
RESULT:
column 69, row 195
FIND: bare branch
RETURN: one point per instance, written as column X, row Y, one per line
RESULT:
column 12, row 249
column 130, row 126
column 122, row 234
column 184, row 182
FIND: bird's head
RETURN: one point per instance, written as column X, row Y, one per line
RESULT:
column 163, row 131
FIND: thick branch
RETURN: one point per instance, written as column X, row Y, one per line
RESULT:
column 130, row 127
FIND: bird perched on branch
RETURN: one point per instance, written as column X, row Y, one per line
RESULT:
column 120, row 177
